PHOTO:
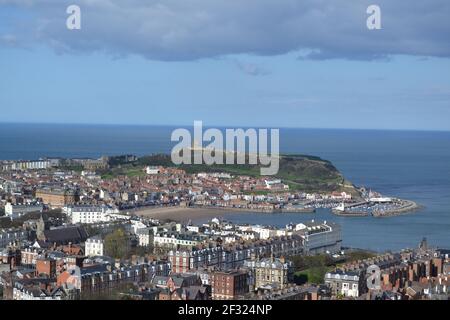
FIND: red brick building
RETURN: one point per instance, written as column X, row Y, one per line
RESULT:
column 46, row 266
column 229, row 285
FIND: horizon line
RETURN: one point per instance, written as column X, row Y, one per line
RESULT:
column 218, row 126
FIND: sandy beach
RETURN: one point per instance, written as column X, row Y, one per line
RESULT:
column 183, row 214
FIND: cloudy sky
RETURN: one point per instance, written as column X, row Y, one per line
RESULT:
column 278, row 63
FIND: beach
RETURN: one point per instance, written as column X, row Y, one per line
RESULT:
column 183, row 214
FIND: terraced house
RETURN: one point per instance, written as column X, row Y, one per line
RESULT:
column 228, row 257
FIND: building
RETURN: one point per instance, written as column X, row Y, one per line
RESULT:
column 273, row 272
column 173, row 240
column 186, row 293
column 10, row 236
column 320, row 237
column 229, row 285
column 345, row 283
column 27, row 165
column 64, row 235
column 205, row 276
column 446, row 268
column 29, row 256
column 18, row 210
column 10, row 256
column 24, row 290
column 101, row 278
column 152, row 170
column 181, row 287
column 145, row 237
column 233, row 256
column 89, row 214
column 56, row 197
column 94, row 246
column 46, row 266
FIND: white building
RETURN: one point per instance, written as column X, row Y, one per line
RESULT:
column 175, row 239
column 381, row 200
column 27, row 165
column 89, row 214
column 220, row 175
column 341, row 196
column 264, row 232
column 18, row 210
column 344, row 283
column 94, row 246
column 269, row 183
column 35, row 293
column 145, row 236
column 137, row 225
column 152, row 170
column 195, row 229
column 104, row 195
column 320, row 237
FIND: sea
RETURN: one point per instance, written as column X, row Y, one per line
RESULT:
column 413, row 165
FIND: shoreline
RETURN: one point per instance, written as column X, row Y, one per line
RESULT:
column 256, row 210
column 182, row 214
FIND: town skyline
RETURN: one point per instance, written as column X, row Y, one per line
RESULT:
column 123, row 229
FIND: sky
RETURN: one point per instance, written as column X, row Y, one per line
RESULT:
column 264, row 63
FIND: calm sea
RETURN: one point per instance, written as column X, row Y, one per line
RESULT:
column 406, row 164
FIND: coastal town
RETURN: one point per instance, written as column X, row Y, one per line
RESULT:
column 75, row 229
column 27, row 186
column 217, row 159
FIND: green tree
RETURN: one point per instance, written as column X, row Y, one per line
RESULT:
column 307, row 262
column 117, row 244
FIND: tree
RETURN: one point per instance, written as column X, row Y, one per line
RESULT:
column 117, row 244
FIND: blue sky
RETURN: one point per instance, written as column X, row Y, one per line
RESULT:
column 173, row 63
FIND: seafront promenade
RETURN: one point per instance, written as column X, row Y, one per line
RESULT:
column 183, row 213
